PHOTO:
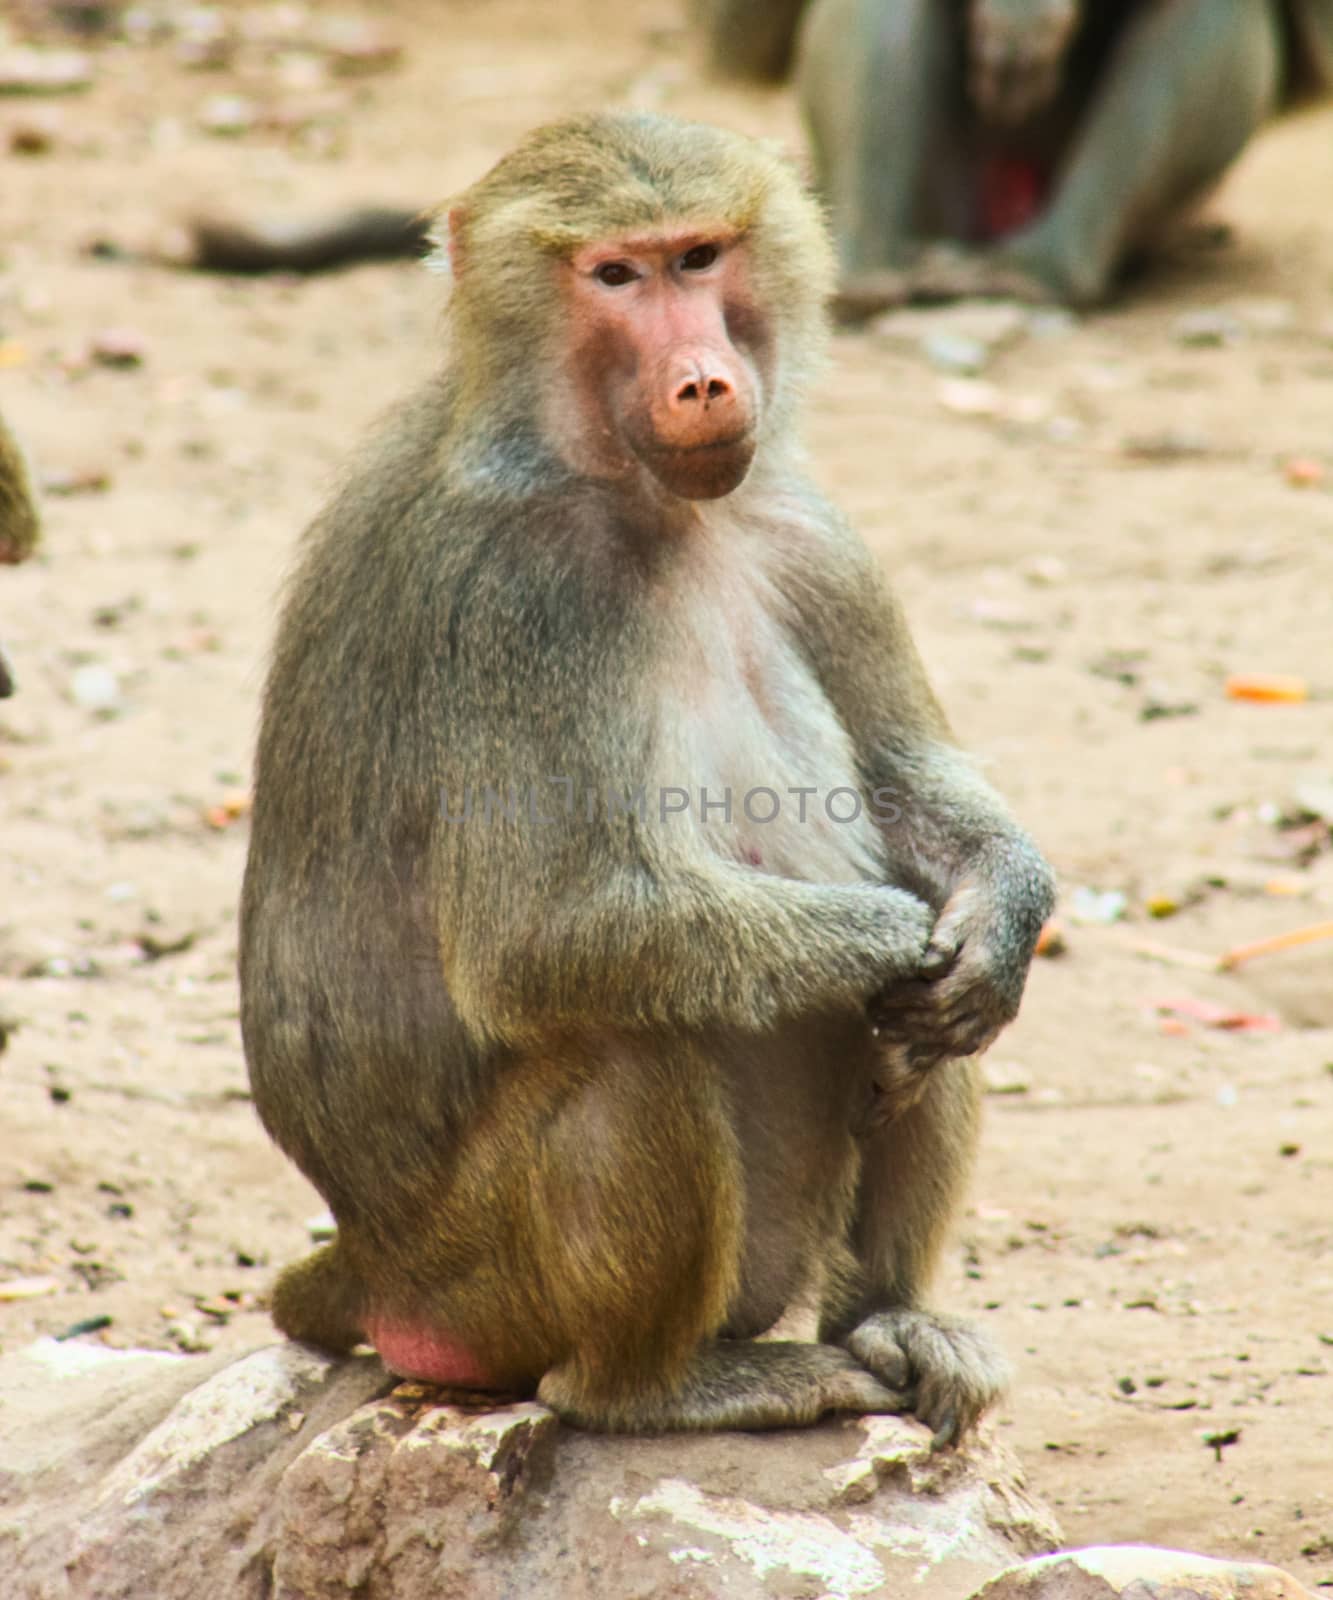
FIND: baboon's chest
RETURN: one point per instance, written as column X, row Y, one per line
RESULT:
column 754, row 763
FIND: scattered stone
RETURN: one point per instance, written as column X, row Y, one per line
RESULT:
column 322, row 1228
column 1207, row 329
column 128, row 1474
column 96, row 688
column 967, row 397
column 1167, row 444
column 1097, row 907
column 1263, row 315
column 959, row 340
column 1051, row 322
column 120, row 348
column 975, row 397
column 63, row 481
column 1044, row 572
column 950, row 352
column 1005, row 1077
column 227, row 116
column 993, row 324
column 992, row 611
column 356, row 47
column 36, row 134
column 1106, row 1571
column 205, row 40
column 187, row 1334
column 154, row 948
column 27, row 1288
column 30, row 71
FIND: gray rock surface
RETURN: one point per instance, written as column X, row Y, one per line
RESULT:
column 289, row 1476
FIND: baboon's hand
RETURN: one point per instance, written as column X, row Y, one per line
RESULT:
column 892, row 936
column 1016, row 51
column 947, row 1371
column 967, row 987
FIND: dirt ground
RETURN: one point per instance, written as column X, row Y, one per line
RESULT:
column 1089, row 544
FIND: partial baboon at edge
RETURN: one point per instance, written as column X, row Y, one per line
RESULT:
column 20, row 525
column 601, row 1061
column 1035, row 148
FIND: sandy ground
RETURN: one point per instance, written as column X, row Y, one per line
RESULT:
column 1151, row 1225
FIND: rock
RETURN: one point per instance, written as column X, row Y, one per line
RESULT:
column 1051, row 322
column 1269, row 316
column 990, row 323
column 1137, row 1572
column 290, row 1475
column 96, row 688
column 227, row 115
column 1207, row 329
column 35, row 134
column 1005, row 1077
column 958, row 339
column 1093, row 908
column 121, row 348
column 33, row 71
column 951, row 352
column 1168, row 444
column 321, row 1228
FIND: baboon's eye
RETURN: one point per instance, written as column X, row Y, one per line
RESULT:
column 699, row 259
column 615, row 273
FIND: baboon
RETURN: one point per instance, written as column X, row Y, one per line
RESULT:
column 606, row 1030
column 1047, row 141
column 752, row 39
column 19, row 523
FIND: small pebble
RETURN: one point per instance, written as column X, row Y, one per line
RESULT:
column 1167, row 444
column 1097, row 907
column 1005, row 1077
column 119, row 348
column 227, row 115
column 27, row 1288
column 356, row 46
column 36, row 134
column 1044, row 572
column 1206, row 329
column 97, row 689
column 1265, row 316
column 189, row 1336
column 44, row 71
column 956, row 354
